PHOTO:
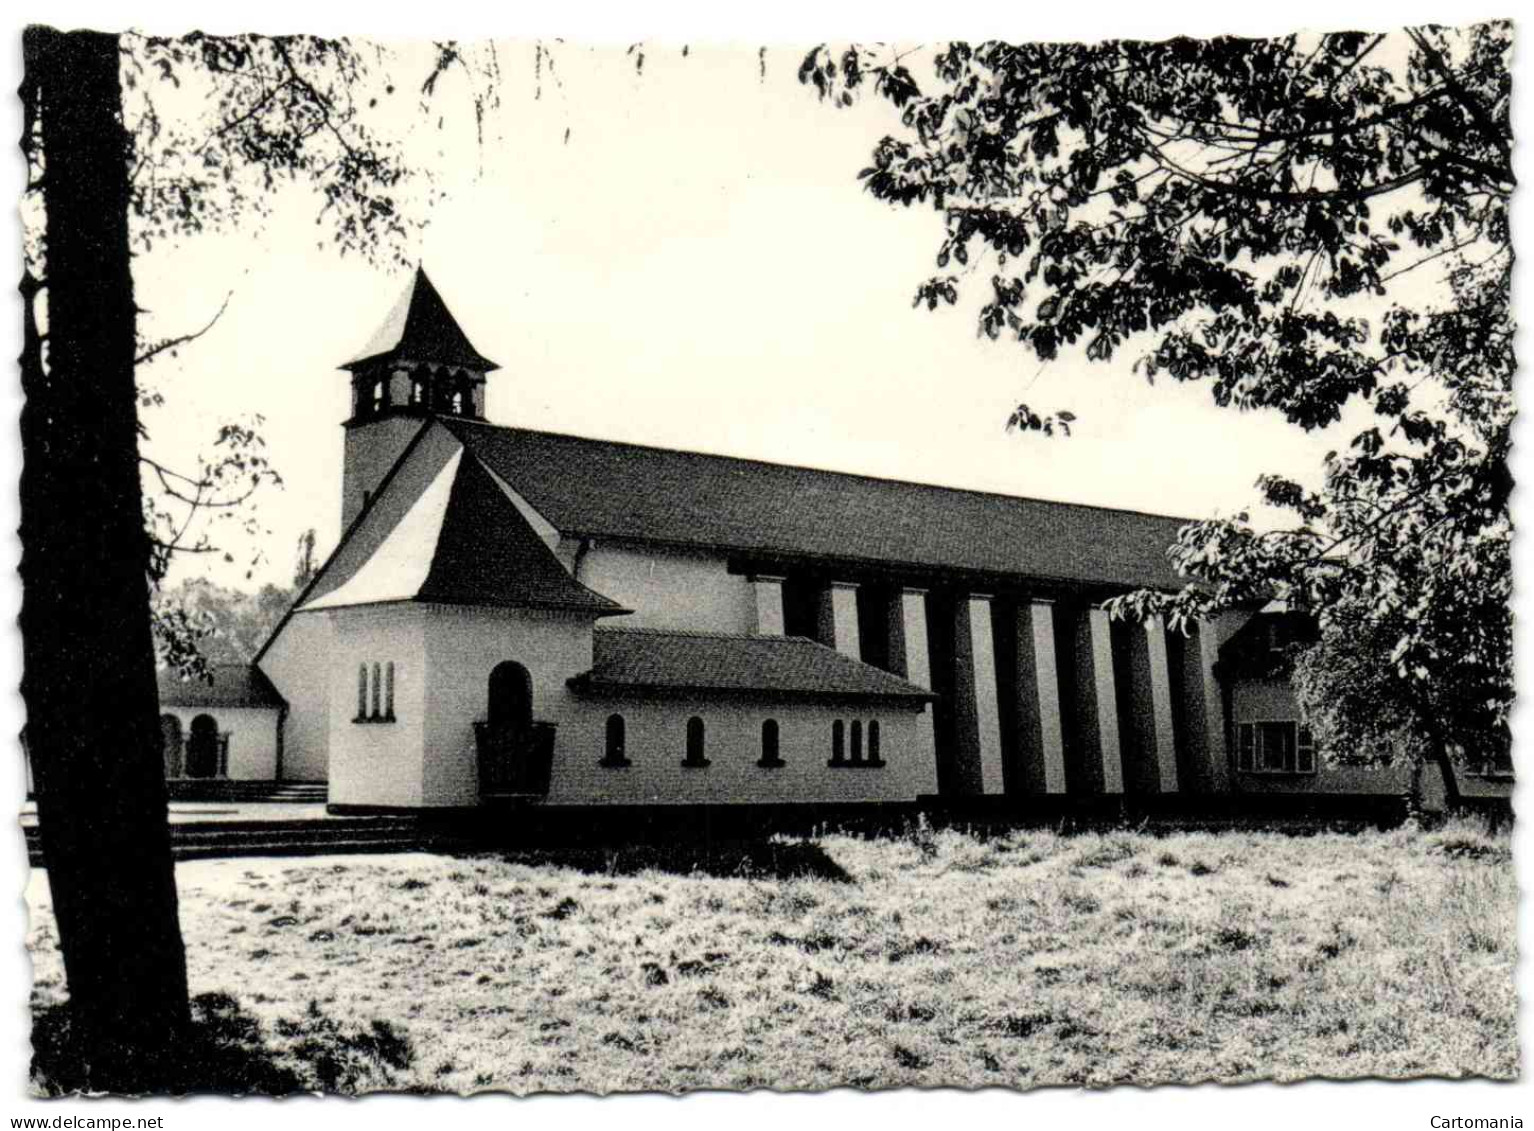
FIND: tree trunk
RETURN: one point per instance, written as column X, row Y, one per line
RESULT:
column 1438, row 751
column 1411, row 799
column 88, row 679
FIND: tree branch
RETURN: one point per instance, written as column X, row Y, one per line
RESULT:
column 1484, row 123
column 158, row 348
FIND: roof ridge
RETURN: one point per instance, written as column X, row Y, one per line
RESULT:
column 702, row 634
column 863, row 475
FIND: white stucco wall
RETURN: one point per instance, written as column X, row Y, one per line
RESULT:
column 252, row 735
column 371, row 450
column 462, row 646
column 671, row 589
column 656, row 744
column 377, row 763
column 298, row 664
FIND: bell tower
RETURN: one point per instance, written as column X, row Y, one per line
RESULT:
column 419, row 364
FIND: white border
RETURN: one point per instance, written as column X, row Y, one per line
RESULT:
column 1255, row 1107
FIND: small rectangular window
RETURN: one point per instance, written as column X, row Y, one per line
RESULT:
column 1278, row 636
column 1275, row 747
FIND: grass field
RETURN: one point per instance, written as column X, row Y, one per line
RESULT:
column 931, row 959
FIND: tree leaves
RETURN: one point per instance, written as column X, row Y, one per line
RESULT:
column 1024, row 419
column 267, row 110
column 1300, row 224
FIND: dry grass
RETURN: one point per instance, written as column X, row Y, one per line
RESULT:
column 940, row 959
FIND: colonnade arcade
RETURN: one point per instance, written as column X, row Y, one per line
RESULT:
column 1036, row 694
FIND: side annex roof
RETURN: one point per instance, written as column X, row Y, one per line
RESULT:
column 653, row 660
column 232, row 685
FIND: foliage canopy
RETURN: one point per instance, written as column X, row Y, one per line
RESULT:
column 1315, row 225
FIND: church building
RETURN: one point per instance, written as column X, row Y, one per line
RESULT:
column 513, row 613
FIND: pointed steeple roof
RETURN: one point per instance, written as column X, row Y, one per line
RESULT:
column 421, row 328
column 462, row 542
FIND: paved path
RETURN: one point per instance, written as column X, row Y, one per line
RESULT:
column 203, row 829
column 198, row 812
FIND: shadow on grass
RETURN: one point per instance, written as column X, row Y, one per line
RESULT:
column 227, row 1052
column 733, row 859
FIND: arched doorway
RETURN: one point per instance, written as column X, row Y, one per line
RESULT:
column 511, row 697
column 170, row 744
column 202, row 748
column 515, row 752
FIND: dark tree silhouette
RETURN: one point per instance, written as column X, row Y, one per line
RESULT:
column 276, row 109
column 1308, row 225
column 88, row 677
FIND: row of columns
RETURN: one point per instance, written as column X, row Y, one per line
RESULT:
column 1039, row 715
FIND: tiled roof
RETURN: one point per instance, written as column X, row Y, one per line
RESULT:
column 464, row 542
column 601, row 487
column 488, row 554
column 234, row 685
column 420, row 328
column 638, row 659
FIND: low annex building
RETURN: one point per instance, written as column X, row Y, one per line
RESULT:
column 516, row 613
column 228, row 725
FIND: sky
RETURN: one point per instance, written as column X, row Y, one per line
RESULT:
column 681, row 256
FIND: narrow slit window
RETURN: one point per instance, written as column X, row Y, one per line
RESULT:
column 376, row 692
column 838, row 743
column 695, row 743
column 389, row 690
column 770, row 746
column 873, row 742
column 616, row 753
column 362, row 692
column 857, row 741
